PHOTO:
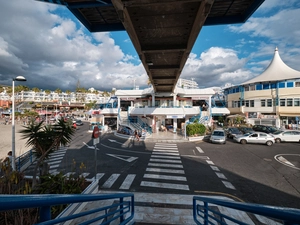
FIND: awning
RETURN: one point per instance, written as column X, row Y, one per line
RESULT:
column 219, row 111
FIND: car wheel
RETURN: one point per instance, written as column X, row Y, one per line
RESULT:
column 277, row 140
column 243, row 141
column 269, row 143
column 224, row 143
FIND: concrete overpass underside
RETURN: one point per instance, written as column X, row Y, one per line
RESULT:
column 163, row 32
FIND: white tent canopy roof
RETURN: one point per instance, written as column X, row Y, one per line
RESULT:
column 276, row 71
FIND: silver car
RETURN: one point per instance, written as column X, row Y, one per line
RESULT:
column 256, row 138
column 287, row 136
column 218, row 136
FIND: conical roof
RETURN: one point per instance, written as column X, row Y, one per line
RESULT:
column 276, row 71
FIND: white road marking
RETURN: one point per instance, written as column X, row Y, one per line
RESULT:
column 282, row 159
column 221, row 175
column 199, row 150
column 110, row 181
column 159, row 170
column 214, row 168
column 164, row 177
column 165, row 165
column 127, row 182
column 165, row 157
column 210, row 162
column 164, row 153
column 165, row 160
column 54, row 162
column 123, row 157
column 165, row 150
column 165, row 185
column 228, row 185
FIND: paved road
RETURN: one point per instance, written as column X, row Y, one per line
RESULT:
column 252, row 173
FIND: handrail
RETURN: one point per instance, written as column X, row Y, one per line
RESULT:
column 122, row 210
column 22, row 160
column 210, row 216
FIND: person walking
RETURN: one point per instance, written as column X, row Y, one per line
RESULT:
column 136, row 134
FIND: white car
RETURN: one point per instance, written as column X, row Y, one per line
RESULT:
column 255, row 138
column 218, row 136
column 287, row 136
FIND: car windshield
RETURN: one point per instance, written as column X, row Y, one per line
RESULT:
column 218, row 133
column 273, row 129
column 278, row 132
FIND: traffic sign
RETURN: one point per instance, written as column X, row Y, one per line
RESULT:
column 96, row 132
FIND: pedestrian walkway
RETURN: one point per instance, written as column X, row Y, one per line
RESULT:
column 166, row 136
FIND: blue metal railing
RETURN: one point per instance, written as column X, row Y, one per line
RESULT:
column 204, row 214
column 22, row 160
column 121, row 209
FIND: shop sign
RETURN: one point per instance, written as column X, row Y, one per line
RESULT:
column 175, row 116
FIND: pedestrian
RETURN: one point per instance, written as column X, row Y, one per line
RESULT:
column 7, row 162
column 75, row 126
column 136, row 134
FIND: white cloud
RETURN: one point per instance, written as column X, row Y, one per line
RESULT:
column 216, row 67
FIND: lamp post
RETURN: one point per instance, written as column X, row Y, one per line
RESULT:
column 13, row 163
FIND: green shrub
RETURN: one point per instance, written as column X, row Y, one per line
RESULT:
column 195, row 129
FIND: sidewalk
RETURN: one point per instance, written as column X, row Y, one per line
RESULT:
column 6, row 140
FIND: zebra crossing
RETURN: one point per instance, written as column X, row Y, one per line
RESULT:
column 165, row 164
column 164, row 170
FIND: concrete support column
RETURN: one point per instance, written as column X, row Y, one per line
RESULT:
column 153, row 99
column 119, row 103
column 174, row 125
column 174, row 100
column 209, row 111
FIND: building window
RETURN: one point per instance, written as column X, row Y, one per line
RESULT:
column 269, row 102
column 252, row 87
column 263, row 103
column 296, row 101
column 290, row 84
column 247, row 103
column 297, row 84
column 281, row 85
column 282, row 102
column 289, row 102
column 273, row 85
column 247, row 88
column 258, row 87
column 266, row 86
column 251, row 103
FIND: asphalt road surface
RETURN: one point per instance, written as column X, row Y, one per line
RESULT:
column 251, row 173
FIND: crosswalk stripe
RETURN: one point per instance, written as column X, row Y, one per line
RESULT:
column 164, row 150
column 165, row 160
column 111, row 180
column 165, row 145
column 69, row 174
column 228, row 185
column 165, row 153
column 165, row 185
column 55, row 162
column 57, row 155
column 165, row 165
column 128, row 181
column 159, row 170
column 55, row 158
column 165, row 157
column 164, row 177
column 54, row 166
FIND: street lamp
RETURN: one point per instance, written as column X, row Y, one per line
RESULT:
column 13, row 163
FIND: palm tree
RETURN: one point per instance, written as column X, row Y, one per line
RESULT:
column 35, row 89
column 46, row 139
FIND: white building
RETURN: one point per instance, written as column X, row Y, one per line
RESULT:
column 272, row 98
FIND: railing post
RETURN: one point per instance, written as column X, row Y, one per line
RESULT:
column 121, row 210
column 45, row 213
column 205, row 213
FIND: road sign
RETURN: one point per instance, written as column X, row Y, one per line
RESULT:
column 95, row 141
column 96, row 132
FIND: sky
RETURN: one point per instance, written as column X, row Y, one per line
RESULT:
column 47, row 45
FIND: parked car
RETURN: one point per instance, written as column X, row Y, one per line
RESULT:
column 265, row 129
column 79, row 123
column 232, row 132
column 255, row 138
column 246, row 130
column 218, row 136
column 287, row 136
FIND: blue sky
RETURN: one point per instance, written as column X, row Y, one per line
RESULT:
column 47, row 44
